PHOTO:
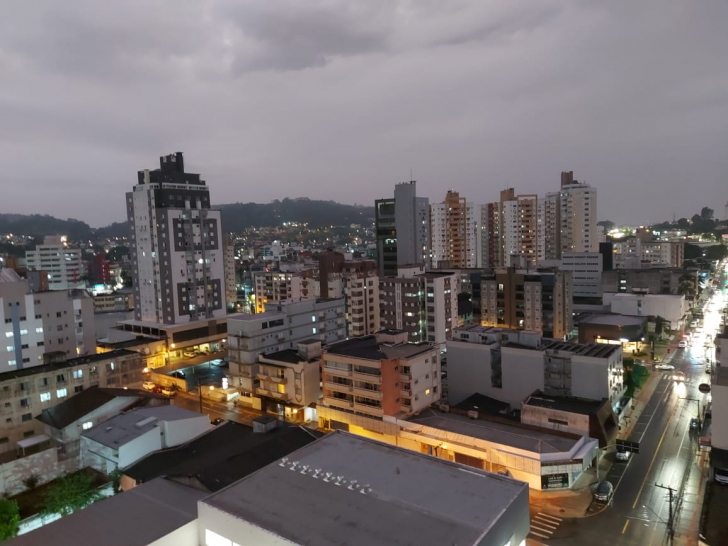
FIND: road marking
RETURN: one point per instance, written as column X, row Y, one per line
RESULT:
column 647, row 474
column 549, row 531
column 538, row 534
column 625, row 526
column 559, row 520
column 544, row 523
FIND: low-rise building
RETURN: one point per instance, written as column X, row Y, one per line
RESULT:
column 383, row 374
column 126, row 438
column 377, row 490
column 114, row 302
column 627, row 331
column 63, row 265
column 27, row 392
column 666, row 280
column 673, row 308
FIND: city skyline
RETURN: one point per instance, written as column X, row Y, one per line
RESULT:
column 342, row 100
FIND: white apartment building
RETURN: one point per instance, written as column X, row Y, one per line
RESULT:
column 34, row 324
column 274, row 287
column 63, row 265
column 454, row 232
column 361, row 294
column 277, row 329
column 231, row 292
column 586, row 272
column 673, row 308
column 637, row 253
column 374, row 376
column 511, row 371
column 177, row 258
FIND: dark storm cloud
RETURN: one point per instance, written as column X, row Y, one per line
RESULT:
column 339, row 99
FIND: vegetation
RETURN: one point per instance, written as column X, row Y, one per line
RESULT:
column 608, row 225
column 9, row 519
column 31, row 482
column 635, row 376
column 70, row 493
column 115, row 477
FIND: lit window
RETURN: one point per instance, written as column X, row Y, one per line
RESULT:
column 11, row 348
column 23, row 332
column 77, row 374
column 45, row 397
column 11, row 363
column 427, row 391
column 314, row 330
column 39, row 330
column 213, row 539
column 87, row 425
column 61, row 393
column 313, row 319
column 8, row 334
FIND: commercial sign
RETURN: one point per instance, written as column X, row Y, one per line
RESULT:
column 704, row 388
column 555, row 481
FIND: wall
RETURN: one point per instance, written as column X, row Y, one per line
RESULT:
column 468, row 370
column 577, row 423
column 167, row 381
column 523, row 373
column 719, row 427
column 140, row 447
column 184, row 536
column 233, row 528
column 97, row 456
column 113, row 407
column 672, row 308
column 44, row 464
column 179, row 432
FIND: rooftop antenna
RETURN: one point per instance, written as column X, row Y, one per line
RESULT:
column 412, row 177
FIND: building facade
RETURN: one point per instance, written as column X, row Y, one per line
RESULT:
column 63, row 265
column 176, row 246
column 453, row 232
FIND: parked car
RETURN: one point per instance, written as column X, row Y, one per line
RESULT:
column 623, row 455
column 148, row 385
column 189, row 354
column 168, row 391
column 217, row 421
column 708, row 369
column 178, row 374
column 603, row 492
column 217, row 362
column 664, row 367
column 694, row 423
column 682, row 344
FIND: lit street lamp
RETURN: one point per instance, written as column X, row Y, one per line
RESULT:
column 199, row 388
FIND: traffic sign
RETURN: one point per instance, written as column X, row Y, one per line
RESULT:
column 704, row 388
column 626, row 445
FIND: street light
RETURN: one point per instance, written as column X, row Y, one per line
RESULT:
column 199, row 388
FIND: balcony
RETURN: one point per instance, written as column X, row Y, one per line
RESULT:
column 338, row 403
column 284, row 396
column 406, row 409
column 272, row 378
column 337, row 372
column 374, row 395
column 372, row 410
column 338, row 387
column 406, row 377
column 407, row 393
column 369, row 378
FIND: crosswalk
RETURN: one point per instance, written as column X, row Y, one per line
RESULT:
column 544, row 525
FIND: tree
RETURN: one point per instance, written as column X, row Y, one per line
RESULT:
column 9, row 518
column 686, row 285
column 70, row 493
column 706, row 213
column 683, row 223
column 608, row 225
column 716, row 252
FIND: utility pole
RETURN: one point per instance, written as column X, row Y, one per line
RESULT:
column 670, row 529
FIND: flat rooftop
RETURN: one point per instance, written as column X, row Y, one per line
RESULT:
column 137, row 517
column 598, row 350
column 382, row 496
column 368, row 348
column 127, row 426
column 516, row 435
column 612, row 319
column 79, row 361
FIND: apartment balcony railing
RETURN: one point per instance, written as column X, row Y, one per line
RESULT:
column 405, row 377
column 338, row 387
column 407, row 393
column 272, row 378
column 372, row 410
column 339, row 403
column 369, row 378
column 406, row 409
column 284, row 396
column 337, row 372
column 374, row 395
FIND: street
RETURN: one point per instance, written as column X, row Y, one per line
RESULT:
column 640, row 510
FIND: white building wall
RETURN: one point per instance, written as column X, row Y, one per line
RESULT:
column 670, row 307
column 586, row 273
column 140, row 447
column 181, row 431
column 523, row 373
column 231, row 528
column 64, row 265
column 719, row 426
column 468, row 370
column 425, row 370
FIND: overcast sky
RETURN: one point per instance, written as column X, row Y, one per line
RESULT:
column 339, row 99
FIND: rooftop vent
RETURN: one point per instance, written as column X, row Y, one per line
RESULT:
column 145, row 422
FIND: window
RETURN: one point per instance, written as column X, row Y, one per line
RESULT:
column 25, row 402
column 11, row 363
column 427, row 391
column 111, row 366
column 45, row 397
column 77, row 389
column 8, row 334
column 26, row 417
column 61, row 393
column 10, row 348
column 77, row 374
column 313, row 318
column 314, row 330
column 87, row 425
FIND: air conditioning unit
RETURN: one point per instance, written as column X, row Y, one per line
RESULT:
column 473, row 414
column 445, row 408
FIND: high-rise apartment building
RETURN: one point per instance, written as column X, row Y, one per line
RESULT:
column 569, row 219
column 453, row 232
column 231, row 292
column 176, row 251
column 538, row 301
column 402, row 229
column 38, row 326
column 510, row 228
column 62, row 264
column 275, row 287
column 422, row 304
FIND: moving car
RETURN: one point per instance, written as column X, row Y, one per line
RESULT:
column 217, row 362
column 682, row 344
column 623, row 455
column 694, row 423
column 148, row 385
column 603, row 492
column 679, row 376
column 664, row 367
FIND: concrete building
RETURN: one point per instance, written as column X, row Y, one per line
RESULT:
column 178, row 264
column 627, row 331
column 453, row 232
column 128, row 437
column 654, row 281
column 518, row 230
column 231, row 292
column 569, row 219
column 377, row 489
column 275, row 287
column 379, row 375
column 114, row 302
column 27, row 392
column 672, row 308
column 38, row 326
column 586, row 273
column 63, row 265
column 422, row 304
column 289, row 381
column 510, row 371
column 539, row 301
column 402, row 229
column 644, row 250
column 251, row 336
